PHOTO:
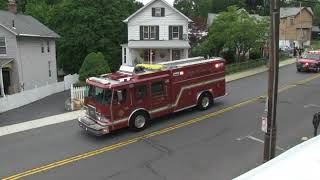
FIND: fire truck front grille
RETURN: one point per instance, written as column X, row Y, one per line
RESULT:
column 92, row 112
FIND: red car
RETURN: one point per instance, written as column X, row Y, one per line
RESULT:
column 310, row 61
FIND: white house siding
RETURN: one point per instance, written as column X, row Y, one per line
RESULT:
column 11, row 44
column 172, row 18
column 35, row 66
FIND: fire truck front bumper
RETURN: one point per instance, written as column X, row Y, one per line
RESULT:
column 93, row 127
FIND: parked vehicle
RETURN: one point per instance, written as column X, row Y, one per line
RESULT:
column 133, row 96
column 309, row 61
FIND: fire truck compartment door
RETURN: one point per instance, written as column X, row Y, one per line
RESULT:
column 160, row 95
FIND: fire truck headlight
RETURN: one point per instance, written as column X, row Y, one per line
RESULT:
column 84, row 111
column 98, row 115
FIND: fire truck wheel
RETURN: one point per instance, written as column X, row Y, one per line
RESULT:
column 205, row 101
column 139, row 121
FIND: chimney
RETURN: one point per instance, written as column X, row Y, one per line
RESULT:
column 12, row 6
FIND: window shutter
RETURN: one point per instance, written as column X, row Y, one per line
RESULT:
column 153, row 12
column 170, row 32
column 141, row 32
column 180, row 32
column 157, row 32
column 163, row 12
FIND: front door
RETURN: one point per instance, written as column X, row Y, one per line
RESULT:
column 176, row 54
column 160, row 94
column 6, row 80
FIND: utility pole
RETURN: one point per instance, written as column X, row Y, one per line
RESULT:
column 301, row 34
column 270, row 135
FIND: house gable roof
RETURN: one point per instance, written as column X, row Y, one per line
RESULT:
column 151, row 2
column 293, row 11
column 24, row 25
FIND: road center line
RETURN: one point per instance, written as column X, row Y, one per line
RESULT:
column 149, row 135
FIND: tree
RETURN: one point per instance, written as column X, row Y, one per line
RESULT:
column 88, row 26
column 93, row 65
column 3, row 4
column 84, row 26
column 316, row 17
column 235, row 30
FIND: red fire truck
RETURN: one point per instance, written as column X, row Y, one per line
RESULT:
column 133, row 96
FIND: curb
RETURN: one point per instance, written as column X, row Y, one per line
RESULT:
column 255, row 71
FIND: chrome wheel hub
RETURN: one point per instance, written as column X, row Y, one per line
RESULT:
column 205, row 102
column 140, row 121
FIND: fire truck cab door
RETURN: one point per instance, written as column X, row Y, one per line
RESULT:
column 120, row 104
column 160, row 94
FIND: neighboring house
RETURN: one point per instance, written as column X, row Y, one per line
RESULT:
column 156, row 33
column 27, row 52
column 295, row 26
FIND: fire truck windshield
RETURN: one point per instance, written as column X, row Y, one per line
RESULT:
column 311, row 56
column 102, row 96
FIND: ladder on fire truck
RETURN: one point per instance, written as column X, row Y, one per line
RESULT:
column 179, row 63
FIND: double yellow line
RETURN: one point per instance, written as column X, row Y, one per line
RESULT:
column 149, row 135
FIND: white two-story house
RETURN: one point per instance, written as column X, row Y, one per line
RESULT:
column 27, row 52
column 157, row 33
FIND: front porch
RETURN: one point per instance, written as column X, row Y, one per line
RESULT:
column 153, row 52
column 154, row 56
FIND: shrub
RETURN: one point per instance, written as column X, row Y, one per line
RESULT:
column 255, row 53
column 94, row 64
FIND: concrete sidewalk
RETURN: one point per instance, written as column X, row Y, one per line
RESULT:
column 50, row 110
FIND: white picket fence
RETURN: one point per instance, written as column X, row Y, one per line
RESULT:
column 13, row 101
column 78, row 93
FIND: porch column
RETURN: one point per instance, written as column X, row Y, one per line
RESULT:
column 150, row 55
column 186, row 53
column 1, row 83
column 170, row 54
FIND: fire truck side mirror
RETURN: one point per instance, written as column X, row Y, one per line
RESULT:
column 119, row 94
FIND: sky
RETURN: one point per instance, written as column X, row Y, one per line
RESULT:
column 146, row 1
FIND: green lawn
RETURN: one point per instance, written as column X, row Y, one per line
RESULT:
column 315, row 44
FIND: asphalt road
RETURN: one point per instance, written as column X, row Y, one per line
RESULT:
column 187, row 145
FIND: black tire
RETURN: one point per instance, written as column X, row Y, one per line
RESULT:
column 298, row 69
column 205, row 101
column 139, row 121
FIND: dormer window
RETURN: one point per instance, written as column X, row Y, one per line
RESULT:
column 158, row 12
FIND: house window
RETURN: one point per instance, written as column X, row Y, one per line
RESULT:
column 149, row 32
column 152, row 32
column 124, row 55
column 42, row 47
column 292, row 21
column 145, row 32
column 3, row 47
column 48, row 46
column 49, row 68
column 175, row 32
column 157, row 12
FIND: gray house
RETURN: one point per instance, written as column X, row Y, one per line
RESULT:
column 27, row 52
